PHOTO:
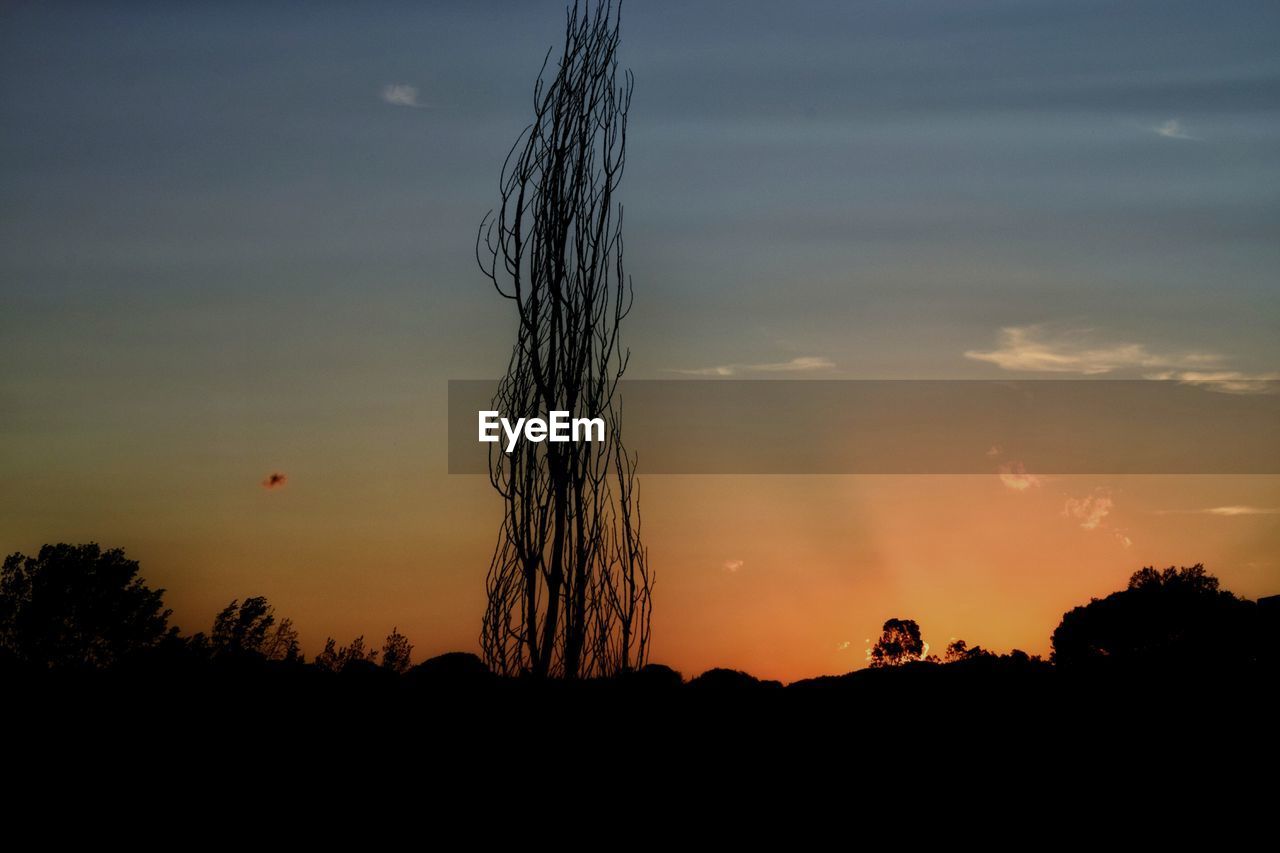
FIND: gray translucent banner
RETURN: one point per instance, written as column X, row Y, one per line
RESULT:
column 921, row 427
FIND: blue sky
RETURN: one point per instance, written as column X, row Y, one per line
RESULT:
column 883, row 185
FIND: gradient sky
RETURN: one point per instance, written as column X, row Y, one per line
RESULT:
column 239, row 241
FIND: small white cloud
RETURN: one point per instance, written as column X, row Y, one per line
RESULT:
column 732, row 566
column 846, row 644
column 994, row 451
column 1090, row 511
column 1014, row 475
column 401, row 95
column 804, row 364
column 1172, row 129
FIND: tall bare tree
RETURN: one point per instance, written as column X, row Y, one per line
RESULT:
column 569, row 585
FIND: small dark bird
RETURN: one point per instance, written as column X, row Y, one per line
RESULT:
column 275, row 481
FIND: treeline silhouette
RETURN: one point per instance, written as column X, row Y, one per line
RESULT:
column 81, row 614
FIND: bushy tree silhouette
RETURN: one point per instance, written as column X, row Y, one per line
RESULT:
column 1171, row 616
column 899, row 643
column 77, row 605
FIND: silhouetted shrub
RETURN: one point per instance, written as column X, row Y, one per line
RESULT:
column 730, row 678
column 337, row 658
column 958, row 650
column 452, row 669
column 658, row 675
column 396, row 652
column 653, row 676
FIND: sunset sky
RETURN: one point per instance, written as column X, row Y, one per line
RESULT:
column 240, row 243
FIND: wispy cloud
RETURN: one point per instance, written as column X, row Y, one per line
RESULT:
column 401, row 95
column 1172, row 129
column 1225, row 381
column 1243, row 510
column 732, row 566
column 1014, row 475
column 1090, row 511
column 1225, row 511
column 804, row 364
column 1039, row 348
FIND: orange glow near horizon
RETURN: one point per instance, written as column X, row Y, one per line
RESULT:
column 783, row 577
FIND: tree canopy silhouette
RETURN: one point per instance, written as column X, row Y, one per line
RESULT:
column 569, row 583
column 250, row 627
column 899, row 643
column 1171, row 616
column 77, row 605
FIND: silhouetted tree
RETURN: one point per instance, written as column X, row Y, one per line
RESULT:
column 336, row 658
column 281, row 643
column 959, row 650
column 396, row 652
column 328, row 657
column 1171, row 616
column 899, row 643
column 569, row 584
column 242, row 628
column 77, row 605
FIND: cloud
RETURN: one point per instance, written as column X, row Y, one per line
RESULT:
column 1224, row 381
column 1089, row 511
column 401, row 95
column 1172, row 129
column 803, row 364
column 275, row 480
column 846, row 644
column 1014, row 475
column 1243, row 510
column 1038, row 348
column 732, row 566
column 1223, row 511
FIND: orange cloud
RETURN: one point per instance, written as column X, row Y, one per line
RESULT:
column 1089, row 511
column 1014, row 475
